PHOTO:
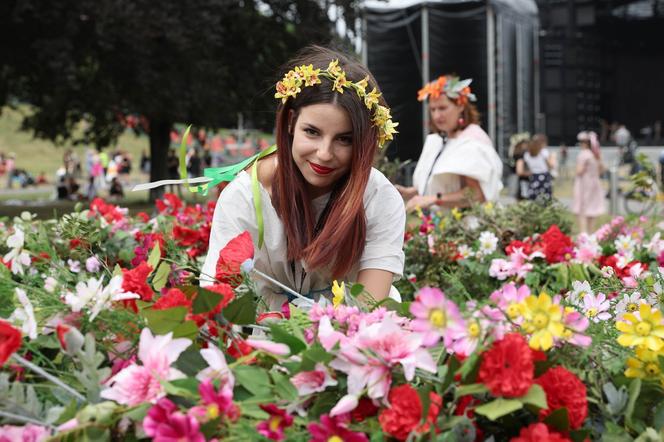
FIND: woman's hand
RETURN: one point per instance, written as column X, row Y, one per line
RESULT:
column 406, row 192
column 421, row 201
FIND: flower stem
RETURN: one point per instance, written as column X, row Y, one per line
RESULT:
column 27, row 420
column 48, row 376
column 281, row 286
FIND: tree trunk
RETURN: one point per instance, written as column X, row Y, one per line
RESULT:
column 160, row 142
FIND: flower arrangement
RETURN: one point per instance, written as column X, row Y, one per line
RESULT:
column 105, row 334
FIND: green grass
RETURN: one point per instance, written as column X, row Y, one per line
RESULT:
column 37, row 155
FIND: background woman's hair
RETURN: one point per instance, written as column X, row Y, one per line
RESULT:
column 537, row 143
column 344, row 229
column 470, row 114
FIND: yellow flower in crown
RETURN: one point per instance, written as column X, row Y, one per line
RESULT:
column 371, row 98
column 645, row 365
column 361, row 87
column 308, row 74
column 340, row 82
column 386, row 132
column 289, row 86
column 644, row 330
column 339, row 292
column 542, row 319
column 334, row 69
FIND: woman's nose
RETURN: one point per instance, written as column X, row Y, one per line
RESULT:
column 325, row 150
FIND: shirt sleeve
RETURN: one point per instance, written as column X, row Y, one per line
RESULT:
column 233, row 214
column 386, row 222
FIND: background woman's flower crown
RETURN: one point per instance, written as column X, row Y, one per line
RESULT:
column 303, row 76
column 456, row 90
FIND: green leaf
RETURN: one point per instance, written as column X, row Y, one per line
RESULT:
column 164, row 321
column 155, row 256
column 469, row 367
column 190, row 361
column 323, row 404
column 181, row 389
column 634, row 391
column 425, row 399
column 187, row 329
column 283, row 387
column 313, row 355
column 580, row 435
column 356, row 289
column 464, row 390
column 160, row 278
column 205, row 301
column 280, row 335
column 241, row 310
column 138, row 413
column 117, row 270
column 498, row 408
column 558, row 419
column 254, row 379
column 535, row 396
column 658, row 416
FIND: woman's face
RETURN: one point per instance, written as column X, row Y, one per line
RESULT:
column 444, row 114
column 322, row 145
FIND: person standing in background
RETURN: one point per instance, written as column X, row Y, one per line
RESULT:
column 10, row 165
column 538, row 164
column 588, row 192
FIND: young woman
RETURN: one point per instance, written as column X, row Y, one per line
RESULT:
column 537, row 165
column 589, row 200
column 327, row 214
column 458, row 164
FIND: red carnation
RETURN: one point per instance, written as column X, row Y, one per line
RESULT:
column 237, row 251
column 136, row 281
column 143, row 216
column 173, row 298
column 556, row 246
column 525, row 246
column 538, row 432
column 564, row 389
column 10, row 341
column 507, row 367
column 405, row 412
column 170, row 205
column 184, row 236
column 365, row 408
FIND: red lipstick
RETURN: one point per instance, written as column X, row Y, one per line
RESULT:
column 320, row 170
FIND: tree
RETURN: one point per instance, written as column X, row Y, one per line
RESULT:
column 199, row 62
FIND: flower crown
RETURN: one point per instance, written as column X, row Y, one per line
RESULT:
column 303, row 76
column 455, row 89
column 518, row 138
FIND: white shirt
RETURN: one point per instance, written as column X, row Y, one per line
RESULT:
column 538, row 163
column 469, row 154
column 234, row 213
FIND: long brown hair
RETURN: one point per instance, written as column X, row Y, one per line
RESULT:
column 339, row 241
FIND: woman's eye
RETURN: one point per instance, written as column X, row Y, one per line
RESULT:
column 346, row 140
column 310, row 131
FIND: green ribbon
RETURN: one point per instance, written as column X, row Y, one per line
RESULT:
column 228, row 173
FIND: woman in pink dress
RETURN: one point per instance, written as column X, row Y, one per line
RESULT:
column 589, row 200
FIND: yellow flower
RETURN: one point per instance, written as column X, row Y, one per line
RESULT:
column 488, row 208
column 372, row 98
column 289, row 86
column 381, row 115
column 644, row 330
column 361, row 87
column 456, row 213
column 386, row 132
column 542, row 320
column 645, row 365
column 308, row 74
column 339, row 82
column 441, row 224
column 339, row 292
column 334, row 69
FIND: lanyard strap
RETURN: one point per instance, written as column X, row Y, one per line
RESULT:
column 256, row 189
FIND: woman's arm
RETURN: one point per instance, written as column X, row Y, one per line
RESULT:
column 521, row 168
column 470, row 192
column 376, row 282
column 406, row 192
column 581, row 166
